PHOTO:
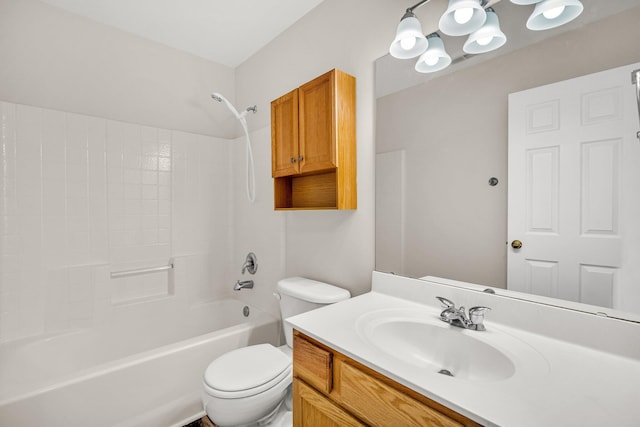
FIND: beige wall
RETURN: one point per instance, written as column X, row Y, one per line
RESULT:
column 54, row 59
column 337, row 247
column 454, row 130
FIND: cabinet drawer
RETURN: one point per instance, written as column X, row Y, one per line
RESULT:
column 380, row 405
column 313, row 364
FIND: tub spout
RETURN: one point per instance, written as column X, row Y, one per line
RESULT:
column 245, row 284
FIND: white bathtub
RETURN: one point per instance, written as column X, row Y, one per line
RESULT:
column 140, row 375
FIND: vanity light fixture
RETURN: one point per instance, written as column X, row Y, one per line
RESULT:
column 462, row 17
column 435, row 58
column 410, row 40
column 476, row 18
column 489, row 37
column 553, row 13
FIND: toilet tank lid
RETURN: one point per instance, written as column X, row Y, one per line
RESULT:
column 312, row 290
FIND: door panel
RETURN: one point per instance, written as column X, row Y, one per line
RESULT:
column 600, row 187
column 284, row 135
column 317, row 116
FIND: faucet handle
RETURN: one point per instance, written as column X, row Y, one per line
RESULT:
column 476, row 314
column 446, row 303
column 250, row 264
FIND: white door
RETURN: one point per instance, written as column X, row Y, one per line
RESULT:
column 574, row 190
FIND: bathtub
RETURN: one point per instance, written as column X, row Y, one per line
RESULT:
column 139, row 375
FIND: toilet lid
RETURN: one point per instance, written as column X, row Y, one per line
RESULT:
column 247, row 368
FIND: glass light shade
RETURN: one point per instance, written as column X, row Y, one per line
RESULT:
column 553, row 13
column 538, row 21
column 489, row 37
column 525, row 2
column 451, row 27
column 410, row 40
column 435, row 58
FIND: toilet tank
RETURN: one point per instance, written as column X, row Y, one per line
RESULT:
column 299, row 295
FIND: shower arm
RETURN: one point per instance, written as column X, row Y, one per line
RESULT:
column 220, row 98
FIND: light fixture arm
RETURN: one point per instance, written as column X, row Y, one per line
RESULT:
column 409, row 11
column 415, row 6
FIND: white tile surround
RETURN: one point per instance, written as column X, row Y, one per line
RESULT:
column 82, row 196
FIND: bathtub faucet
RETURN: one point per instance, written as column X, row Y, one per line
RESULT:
column 245, row 284
column 250, row 264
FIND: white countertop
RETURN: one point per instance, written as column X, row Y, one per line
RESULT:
column 558, row 383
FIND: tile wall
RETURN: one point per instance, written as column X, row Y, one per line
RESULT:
column 81, row 197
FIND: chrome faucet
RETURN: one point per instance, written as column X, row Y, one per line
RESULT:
column 250, row 264
column 458, row 316
column 245, row 284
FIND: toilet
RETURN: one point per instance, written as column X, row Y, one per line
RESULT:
column 251, row 386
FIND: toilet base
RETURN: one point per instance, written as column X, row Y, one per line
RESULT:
column 281, row 417
column 284, row 418
column 226, row 412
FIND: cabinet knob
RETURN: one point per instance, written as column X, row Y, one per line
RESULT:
column 293, row 160
column 300, row 158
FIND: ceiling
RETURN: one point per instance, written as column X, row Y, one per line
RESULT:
column 224, row 31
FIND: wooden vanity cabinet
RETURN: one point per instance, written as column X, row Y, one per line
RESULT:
column 313, row 144
column 330, row 389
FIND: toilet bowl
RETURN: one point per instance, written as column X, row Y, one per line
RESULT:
column 251, row 386
column 246, row 385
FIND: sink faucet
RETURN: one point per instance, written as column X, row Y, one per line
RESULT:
column 458, row 316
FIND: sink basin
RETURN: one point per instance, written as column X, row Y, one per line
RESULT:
column 419, row 338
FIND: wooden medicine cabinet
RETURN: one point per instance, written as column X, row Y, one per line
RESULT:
column 313, row 144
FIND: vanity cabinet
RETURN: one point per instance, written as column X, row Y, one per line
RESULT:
column 313, row 144
column 330, row 389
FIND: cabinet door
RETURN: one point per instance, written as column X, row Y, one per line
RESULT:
column 380, row 404
column 318, row 124
column 311, row 408
column 284, row 135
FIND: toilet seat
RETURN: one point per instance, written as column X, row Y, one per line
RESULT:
column 247, row 371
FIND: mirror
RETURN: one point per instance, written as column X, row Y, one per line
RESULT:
column 442, row 137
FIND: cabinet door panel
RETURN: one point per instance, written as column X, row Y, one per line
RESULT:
column 317, row 124
column 284, row 135
column 311, row 408
column 380, row 405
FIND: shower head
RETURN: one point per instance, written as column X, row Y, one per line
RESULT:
column 218, row 97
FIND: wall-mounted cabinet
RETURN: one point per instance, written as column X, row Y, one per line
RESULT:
column 313, row 144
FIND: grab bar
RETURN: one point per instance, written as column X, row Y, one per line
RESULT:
column 635, row 79
column 135, row 272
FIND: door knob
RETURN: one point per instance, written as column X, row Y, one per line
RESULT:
column 516, row 244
